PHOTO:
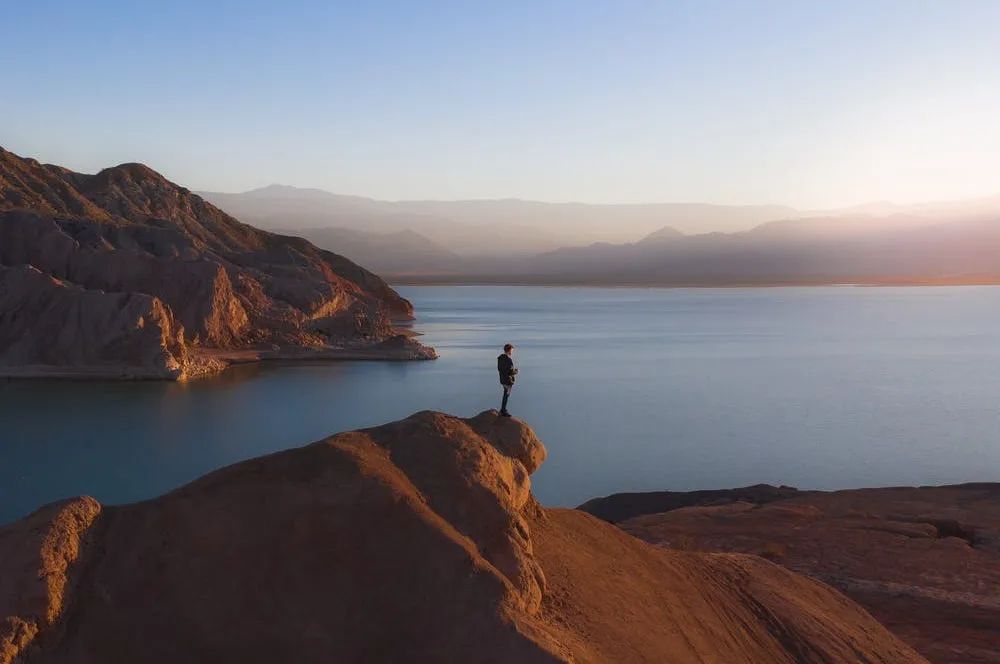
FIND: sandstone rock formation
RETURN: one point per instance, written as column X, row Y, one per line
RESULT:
column 417, row 541
column 217, row 289
column 925, row 561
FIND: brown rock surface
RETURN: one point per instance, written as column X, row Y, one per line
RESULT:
column 226, row 286
column 414, row 541
column 36, row 556
column 50, row 323
column 925, row 561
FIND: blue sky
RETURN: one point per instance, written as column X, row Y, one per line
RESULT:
column 814, row 104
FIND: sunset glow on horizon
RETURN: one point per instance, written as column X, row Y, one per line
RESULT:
column 802, row 104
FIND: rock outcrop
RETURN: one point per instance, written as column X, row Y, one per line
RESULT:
column 128, row 236
column 925, row 561
column 416, row 541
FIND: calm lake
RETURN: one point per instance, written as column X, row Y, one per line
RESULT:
column 630, row 389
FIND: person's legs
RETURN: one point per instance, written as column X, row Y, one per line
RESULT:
column 506, row 395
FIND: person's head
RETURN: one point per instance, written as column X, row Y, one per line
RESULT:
column 508, row 348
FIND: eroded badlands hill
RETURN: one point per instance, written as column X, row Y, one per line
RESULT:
column 924, row 560
column 124, row 273
column 415, row 541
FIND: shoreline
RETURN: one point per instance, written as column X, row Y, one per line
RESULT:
column 216, row 362
column 441, row 280
column 621, row 506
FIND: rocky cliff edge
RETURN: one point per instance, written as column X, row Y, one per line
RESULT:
column 418, row 540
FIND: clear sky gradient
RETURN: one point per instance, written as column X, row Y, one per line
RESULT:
column 813, row 104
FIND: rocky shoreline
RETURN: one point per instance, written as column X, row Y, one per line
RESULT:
column 126, row 275
column 211, row 363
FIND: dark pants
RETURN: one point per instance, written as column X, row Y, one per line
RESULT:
column 506, row 395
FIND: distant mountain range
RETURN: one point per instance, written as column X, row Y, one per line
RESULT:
column 486, row 227
column 404, row 252
column 513, row 241
column 286, row 209
column 903, row 249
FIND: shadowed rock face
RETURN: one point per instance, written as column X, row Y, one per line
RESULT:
column 225, row 285
column 415, row 541
column 54, row 323
column 621, row 506
column 925, row 561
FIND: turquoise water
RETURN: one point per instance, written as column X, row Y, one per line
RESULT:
column 630, row 389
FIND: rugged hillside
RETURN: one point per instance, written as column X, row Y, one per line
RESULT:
column 415, row 541
column 229, row 290
column 925, row 561
column 53, row 323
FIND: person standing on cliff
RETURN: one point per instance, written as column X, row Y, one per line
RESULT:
column 505, row 365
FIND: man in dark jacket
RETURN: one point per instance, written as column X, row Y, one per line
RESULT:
column 505, row 365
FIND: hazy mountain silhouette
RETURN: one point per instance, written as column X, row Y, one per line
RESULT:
column 518, row 241
column 486, row 227
column 665, row 234
column 287, row 209
column 895, row 249
column 399, row 252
